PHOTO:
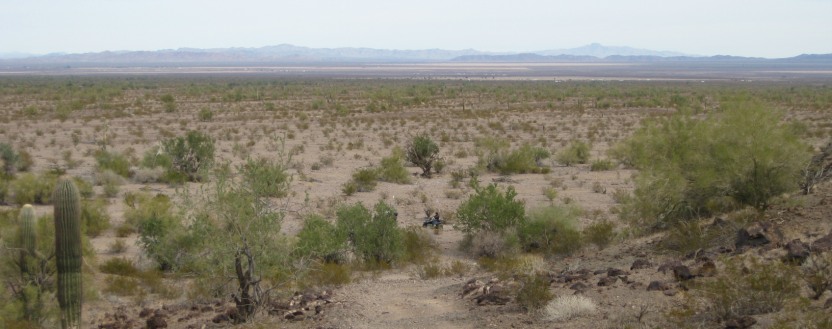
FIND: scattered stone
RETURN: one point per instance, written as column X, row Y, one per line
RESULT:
column 668, row 266
column 670, row 292
column 707, row 269
column 156, row 322
column 797, row 251
column 145, row 313
column 740, row 323
column 640, row 264
column 754, row 236
column 823, row 244
column 597, row 272
column 472, row 287
column 580, row 286
column 492, row 299
column 616, row 272
column 607, row 281
column 657, row 286
column 682, row 273
column 828, row 303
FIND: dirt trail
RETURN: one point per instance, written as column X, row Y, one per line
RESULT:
column 400, row 300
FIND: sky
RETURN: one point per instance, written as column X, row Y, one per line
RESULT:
column 757, row 28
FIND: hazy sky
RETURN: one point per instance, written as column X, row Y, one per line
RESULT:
column 763, row 28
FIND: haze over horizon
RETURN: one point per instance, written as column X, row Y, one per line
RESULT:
column 768, row 28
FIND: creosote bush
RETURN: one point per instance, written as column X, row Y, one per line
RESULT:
column 490, row 209
column 266, row 178
column 551, row 230
column 189, row 156
column 534, row 292
column 576, row 153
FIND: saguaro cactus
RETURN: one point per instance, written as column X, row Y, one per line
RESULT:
column 68, row 251
column 26, row 237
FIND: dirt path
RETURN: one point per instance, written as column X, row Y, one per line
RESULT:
column 400, row 300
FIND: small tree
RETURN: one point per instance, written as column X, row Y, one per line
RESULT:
column 490, row 210
column 422, row 151
column 9, row 158
column 189, row 155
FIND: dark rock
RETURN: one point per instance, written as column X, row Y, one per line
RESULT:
column 828, row 303
column 823, row 244
column 797, row 251
column 156, row 321
column 616, row 272
column 145, row 312
column 597, row 272
column 220, row 318
column 607, row 281
column 580, row 286
column 707, row 269
column 657, row 285
column 682, row 273
column 753, row 236
column 668, row 266
column 640, row 264
column 740, row 323
column 492, row 299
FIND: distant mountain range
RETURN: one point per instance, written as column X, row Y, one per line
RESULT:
column 286, row 53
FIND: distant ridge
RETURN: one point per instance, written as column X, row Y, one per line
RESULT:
column 286, row 53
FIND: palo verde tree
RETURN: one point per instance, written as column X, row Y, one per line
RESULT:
column 422, row 151
column 692, row 166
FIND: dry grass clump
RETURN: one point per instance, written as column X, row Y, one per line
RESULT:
column 565, row 308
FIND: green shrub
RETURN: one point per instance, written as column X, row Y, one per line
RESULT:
column 601, row 165
column 320, row 240
column 155, row 157
column 121, row 285
column 266, row 178
column 600, row 233
column 491, row 244
column 94, row 217
column 534, row 292
column 110, row 181
column 327, row 274
column 576, row 153
column 742, row 152
column 119, row 266
column 525, row 159
column 205, row 115
column 189, row 156
column 154, row 219
column 375, row 237
column 33, row 189
column 489, row 209
column 392, row 169
column 9, row 159
column 418, row 245
column 422, row 151
column 113, row 162
column 365, row 179
column 551, row 230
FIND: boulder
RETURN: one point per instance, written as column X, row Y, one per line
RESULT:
column 607, row 281
column 796, row 251
column 156, row 322
column 657, row 286
column 823, row 244
column 740, row 323
column 682, row 273
column 706, row 269
column 756, row 235
column 640, row 264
